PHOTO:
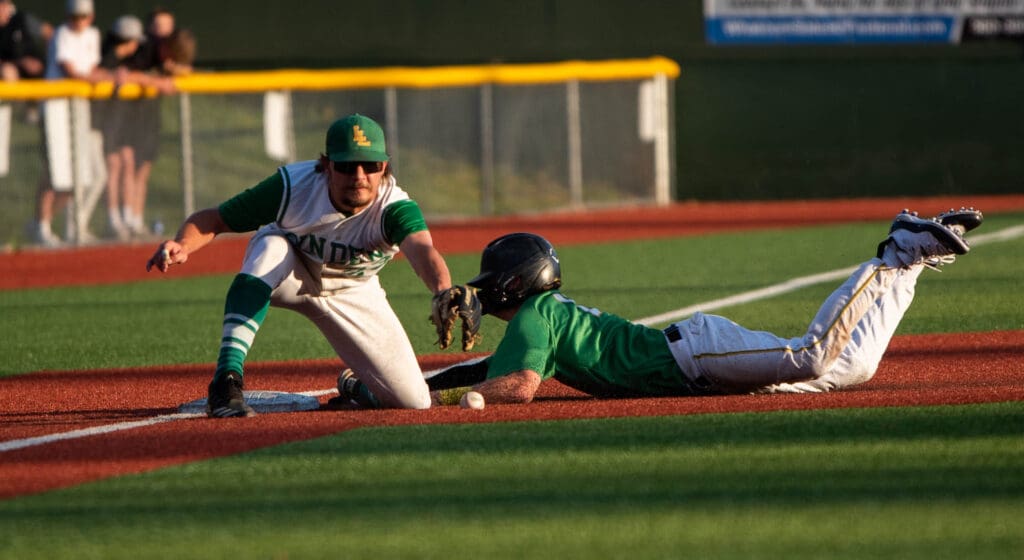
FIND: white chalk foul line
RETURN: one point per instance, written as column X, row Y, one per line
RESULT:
column 96, row 430
column 109, row 428
column 746, row 297
column 802, row 282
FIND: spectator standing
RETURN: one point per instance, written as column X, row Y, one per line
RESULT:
column 171, row 50
column 120, row 120
column 167, row 52
column 22, row 55
column 22, row 47
column 74, row 52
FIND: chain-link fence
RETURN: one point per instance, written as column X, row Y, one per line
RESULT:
column 464, row 141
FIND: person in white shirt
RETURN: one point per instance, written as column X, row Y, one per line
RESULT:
column 74, row 53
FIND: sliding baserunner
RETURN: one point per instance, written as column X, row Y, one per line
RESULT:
column 550, row 335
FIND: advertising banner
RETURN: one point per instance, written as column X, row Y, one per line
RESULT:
column 754, row 22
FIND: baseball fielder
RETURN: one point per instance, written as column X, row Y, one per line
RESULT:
column 550, row 335
column 324, row 228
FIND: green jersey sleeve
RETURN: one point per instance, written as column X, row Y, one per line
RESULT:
column 255, row 206
column 527, row 345
column 402, row 218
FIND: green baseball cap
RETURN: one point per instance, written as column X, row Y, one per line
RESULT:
column 356, row 138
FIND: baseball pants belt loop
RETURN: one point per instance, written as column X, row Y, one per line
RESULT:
column 672, row 333
column 699, row 383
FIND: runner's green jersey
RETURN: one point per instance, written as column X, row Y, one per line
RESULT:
column 598, row 353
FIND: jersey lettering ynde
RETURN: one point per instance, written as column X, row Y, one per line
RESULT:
column 334, row 247
column 596, row 352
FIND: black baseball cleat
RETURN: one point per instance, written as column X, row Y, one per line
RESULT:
column 225, row 398
column 944, row 240
column 961, row 221
column 352, row 392
column 348, row 389
column 929, row 241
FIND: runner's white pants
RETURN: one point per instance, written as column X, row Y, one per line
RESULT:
column 842, row 347
column 357, row 321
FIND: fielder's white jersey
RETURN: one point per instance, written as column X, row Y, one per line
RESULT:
column 335, row 248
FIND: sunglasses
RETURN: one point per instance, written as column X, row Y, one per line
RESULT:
column 350, row 167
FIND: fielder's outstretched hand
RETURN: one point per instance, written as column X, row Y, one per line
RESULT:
column 168, row 253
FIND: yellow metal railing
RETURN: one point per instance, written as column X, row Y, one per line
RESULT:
column 365, row 78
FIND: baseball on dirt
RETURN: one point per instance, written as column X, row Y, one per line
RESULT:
column 472, row 400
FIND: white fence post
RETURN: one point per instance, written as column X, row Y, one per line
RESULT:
column 391, row 122
column 187, row 179
column 662, row 142
column 486, row 149
column 575, row 143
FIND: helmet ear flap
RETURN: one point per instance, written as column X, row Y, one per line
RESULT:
column 513, row 285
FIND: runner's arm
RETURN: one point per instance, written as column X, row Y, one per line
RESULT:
column 518, row 387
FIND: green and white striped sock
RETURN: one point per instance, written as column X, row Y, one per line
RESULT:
column 244, row 310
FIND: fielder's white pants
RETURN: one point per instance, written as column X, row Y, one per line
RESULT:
column 842, row 347
column 357, row 321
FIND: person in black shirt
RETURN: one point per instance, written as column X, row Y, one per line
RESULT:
column 22, row 43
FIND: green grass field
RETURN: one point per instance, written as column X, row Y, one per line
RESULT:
column 937, row 482
column 173, row 320
column 924, row 483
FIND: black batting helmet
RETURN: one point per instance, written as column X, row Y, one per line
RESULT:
column 514, row 267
